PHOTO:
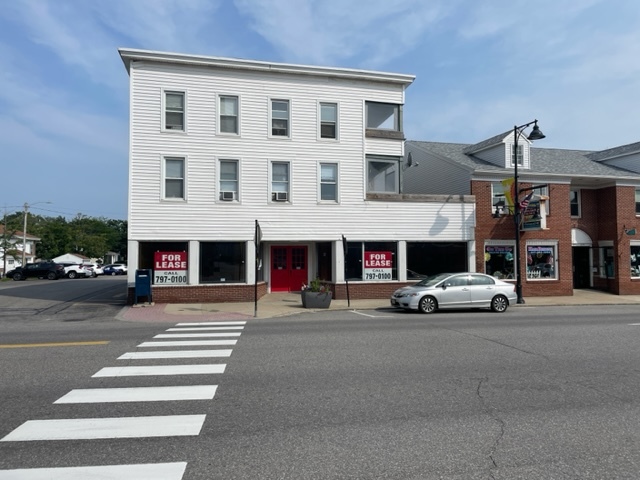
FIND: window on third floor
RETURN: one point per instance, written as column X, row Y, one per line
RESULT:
column 174, row 111
column 329, row 120
column 637, row 201
column 383, row 116
column 229, row 117
column 280, row 118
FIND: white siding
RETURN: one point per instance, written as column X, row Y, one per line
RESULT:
column 203, row 218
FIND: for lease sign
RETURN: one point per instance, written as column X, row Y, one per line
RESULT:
column 170, row 268
column 378, row 265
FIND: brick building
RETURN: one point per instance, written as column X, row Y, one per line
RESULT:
column 581, row 225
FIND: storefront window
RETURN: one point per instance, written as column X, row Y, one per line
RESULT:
column 430, row 258
column 635, row 260
column 607, row 262
column 498, row 261
column 222, row 262
column 372, row 261
column 541, row 262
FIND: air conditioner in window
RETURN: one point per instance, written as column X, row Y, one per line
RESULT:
column 281, row 196
column 227, row 196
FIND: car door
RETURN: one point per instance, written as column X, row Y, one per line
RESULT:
column 455, row 292
column 482, row 289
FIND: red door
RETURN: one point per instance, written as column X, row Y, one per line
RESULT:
column 288, row 268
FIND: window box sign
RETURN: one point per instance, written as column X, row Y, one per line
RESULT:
column 378, row 266
column 170, row 268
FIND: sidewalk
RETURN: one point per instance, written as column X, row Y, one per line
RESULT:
column 284, row 304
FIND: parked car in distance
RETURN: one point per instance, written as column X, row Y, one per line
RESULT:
column 48, row 270
column 456, row 290
column 115, row 269
column 95, row 268
column 76, row 270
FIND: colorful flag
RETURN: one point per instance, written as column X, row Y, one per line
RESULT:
column 525, row 201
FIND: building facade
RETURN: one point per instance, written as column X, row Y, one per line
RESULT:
column 250, row 176
column 581, row 210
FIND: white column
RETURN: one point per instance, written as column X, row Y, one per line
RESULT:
column 194, row 262
column 338, row 261
column 133, row 261
column 402, row 261
column 250, row 263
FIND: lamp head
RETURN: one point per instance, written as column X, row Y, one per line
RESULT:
column 536, row 134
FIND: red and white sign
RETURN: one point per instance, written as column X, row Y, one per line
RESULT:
column 378, row 266
column 170, row 268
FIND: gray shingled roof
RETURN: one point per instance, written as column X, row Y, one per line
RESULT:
column 572, row 163
column 489, row 142
column 615, row 152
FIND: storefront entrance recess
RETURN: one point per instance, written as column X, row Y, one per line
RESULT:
column 288, row 268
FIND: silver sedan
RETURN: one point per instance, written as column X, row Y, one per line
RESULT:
column 456, row 290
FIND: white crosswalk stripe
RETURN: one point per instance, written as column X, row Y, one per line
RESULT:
column 137, row 371
column 197, row 335
column 151, row 471
column 101, row 428
column 175, row 354
column 139, row 394
column 188, row 343
column 197, row 324
column 184, row 329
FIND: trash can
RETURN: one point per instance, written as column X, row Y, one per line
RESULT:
column 143, row 285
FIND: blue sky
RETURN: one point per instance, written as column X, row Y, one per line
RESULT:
column 481, row 68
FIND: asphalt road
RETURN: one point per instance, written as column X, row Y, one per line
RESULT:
column 535, row 393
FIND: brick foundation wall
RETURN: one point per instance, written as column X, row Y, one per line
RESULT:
column 202, row 293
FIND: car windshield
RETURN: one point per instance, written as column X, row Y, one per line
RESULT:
column 432, row 280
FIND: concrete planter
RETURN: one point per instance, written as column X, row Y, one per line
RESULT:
column 316, row 299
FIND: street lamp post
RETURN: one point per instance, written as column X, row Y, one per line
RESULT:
column 24, row 230
column 536, row 134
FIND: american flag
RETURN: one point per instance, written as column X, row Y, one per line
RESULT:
column 525, row 201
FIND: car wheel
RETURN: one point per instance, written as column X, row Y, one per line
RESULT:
column 17, row 277
column 72, row 274
column 499, row 304
column 428, row 304
column 114, row 273
column 52, row 276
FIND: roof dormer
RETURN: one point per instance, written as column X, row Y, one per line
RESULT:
column 499, row 150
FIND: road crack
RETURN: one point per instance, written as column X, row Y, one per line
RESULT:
column 493, row 414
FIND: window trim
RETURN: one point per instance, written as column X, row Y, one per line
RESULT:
column 219, row 180
column 163, row 119
column 337, row 122
column 288, row 102
column 336, row 183
column 397, row 120
column 637, row 201
column 543, row 243
column 219, row 131
column 516, row 154
column 163, row 185
column 289, row 181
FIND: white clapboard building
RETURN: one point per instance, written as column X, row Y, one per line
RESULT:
column 310, row 155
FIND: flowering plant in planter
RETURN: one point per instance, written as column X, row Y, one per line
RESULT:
column 316, row 294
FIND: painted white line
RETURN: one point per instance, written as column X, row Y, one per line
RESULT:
column 186, row 329
column 197, row 335
column 175, row 354
column 188, row 343
column 151, row 471
column 197, row 324
column 160, row 370
column 139, row 394
column 634, row 324
column 94, row 428
column 372, row 316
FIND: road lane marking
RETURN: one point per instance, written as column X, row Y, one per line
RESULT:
column 157, row 471
column 197, row 335
column 371, row 316
column 160, row 370
column 188, row 343
column 185, row 329
column 139, row 394
column 197, row 324
column 101, row 428
column 175, row 354
column 54, row 344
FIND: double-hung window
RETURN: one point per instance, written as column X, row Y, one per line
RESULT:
column 229, row 114
column 382, row 175
column 174, row 111
column 329, row 182
column 637, row 201
column 280, row 118
column 329, row 120
column 280, row 181
column 574, row 202
column 229, row 181
column 174, row 178
column 517, row 154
